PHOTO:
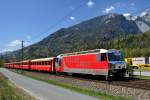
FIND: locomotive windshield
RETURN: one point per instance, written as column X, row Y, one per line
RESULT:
column 115, row 57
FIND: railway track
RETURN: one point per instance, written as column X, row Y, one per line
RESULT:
column 132, row 83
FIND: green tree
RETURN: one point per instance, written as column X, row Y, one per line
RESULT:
column 1, row 63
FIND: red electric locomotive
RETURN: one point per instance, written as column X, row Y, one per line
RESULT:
column 95, row 62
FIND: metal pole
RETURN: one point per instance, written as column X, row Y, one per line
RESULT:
column 22, row 55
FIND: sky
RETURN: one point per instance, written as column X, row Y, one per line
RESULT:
column 33, row 20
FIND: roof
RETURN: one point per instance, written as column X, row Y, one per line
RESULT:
column 86, row 52
column 25, row 61
column 43, row 59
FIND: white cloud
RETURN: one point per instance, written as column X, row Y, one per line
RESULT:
column 126, row 14
column 109, row 9
column 90, row 3
column 26, row 43
column 72, row 18
column 14, row 43
column 5, row 50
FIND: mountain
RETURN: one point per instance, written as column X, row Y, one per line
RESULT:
column 99, row 32
column 142, row 20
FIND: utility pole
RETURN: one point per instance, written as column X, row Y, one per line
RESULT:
column 22, row 54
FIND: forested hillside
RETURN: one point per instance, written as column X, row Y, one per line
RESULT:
column 108, row 31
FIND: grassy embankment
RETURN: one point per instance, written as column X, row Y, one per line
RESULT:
column 45, row 78
column 142, row 77
column 10, row 92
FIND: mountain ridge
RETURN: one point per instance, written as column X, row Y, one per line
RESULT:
column 94, row 33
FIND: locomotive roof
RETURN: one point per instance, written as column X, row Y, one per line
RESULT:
column 90, row 51
column 43, row 59
column 86, row 52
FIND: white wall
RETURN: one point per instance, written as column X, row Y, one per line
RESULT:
column 138, row 60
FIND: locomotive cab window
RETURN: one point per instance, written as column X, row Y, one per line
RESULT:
column 103, row 57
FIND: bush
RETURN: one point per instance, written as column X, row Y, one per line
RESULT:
column 1, row 63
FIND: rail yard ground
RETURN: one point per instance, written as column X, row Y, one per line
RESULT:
column 136, row 89
column 9, row 91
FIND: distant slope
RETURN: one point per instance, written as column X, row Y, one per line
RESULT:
column 100, row 32
column 86, row 35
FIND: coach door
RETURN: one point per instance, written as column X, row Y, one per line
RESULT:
column 104, row 61
column 57, row 62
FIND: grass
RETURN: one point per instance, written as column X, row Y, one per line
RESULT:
column 141, row 77
column 102, row 96
column 9, row 92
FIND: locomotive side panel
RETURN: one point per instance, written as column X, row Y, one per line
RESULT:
column 87, row 64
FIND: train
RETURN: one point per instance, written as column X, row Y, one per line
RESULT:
column 109, row 63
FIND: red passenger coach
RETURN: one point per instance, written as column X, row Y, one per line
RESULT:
column 16, row 65
column 43, row 64
column 24, row 65
column 8, row 65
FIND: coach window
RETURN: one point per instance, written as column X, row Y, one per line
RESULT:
column 45, row 62
column 103, row 57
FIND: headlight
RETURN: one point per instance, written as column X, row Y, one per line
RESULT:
column 112, row 66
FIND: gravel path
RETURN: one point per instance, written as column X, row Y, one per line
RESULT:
column 42, row 90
